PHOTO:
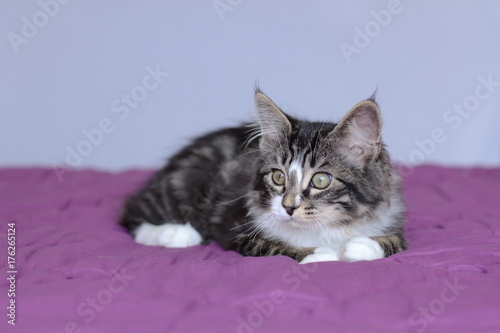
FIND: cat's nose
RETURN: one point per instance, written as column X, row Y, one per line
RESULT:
column 289, row 210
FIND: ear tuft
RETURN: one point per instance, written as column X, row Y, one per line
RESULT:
column 256, row 87
column 373, row 97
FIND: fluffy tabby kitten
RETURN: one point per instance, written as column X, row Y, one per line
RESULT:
column 313, row 191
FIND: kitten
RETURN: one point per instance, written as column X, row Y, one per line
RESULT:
column 313, row 191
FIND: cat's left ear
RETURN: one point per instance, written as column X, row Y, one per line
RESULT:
column 274, row 124
column 359, row 132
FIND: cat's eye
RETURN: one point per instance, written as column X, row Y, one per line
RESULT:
column 278, row 177
column 321, row 180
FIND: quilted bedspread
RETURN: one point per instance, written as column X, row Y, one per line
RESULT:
column 76, row 270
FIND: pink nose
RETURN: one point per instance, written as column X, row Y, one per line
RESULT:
column 289, row 210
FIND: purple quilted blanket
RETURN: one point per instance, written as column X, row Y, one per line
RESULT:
column 76, row 270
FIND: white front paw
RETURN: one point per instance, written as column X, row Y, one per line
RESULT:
column 179, row 235
column 321, row 254
column 362, row 248
column 168, row 235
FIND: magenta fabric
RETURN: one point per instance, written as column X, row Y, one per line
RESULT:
column 79, row 271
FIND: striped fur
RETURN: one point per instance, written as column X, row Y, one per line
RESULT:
column 222, row 184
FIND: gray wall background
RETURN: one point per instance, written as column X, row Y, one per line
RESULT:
column 67, row 67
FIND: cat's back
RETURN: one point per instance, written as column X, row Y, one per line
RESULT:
column 214, row 168
column 211, row 151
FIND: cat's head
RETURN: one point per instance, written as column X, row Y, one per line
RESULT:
column 314, row 175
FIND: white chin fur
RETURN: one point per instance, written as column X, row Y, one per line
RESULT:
column 168, row 235
column 361, row 248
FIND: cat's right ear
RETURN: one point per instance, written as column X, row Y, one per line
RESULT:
column 274, row 123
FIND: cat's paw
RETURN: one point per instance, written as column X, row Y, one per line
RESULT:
column 321, row 254
column 168, row 235
column 361, row 248
column 179, row 235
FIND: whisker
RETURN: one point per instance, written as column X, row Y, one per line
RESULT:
column 233, row 200
column 262, row 222
column 241, row 225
